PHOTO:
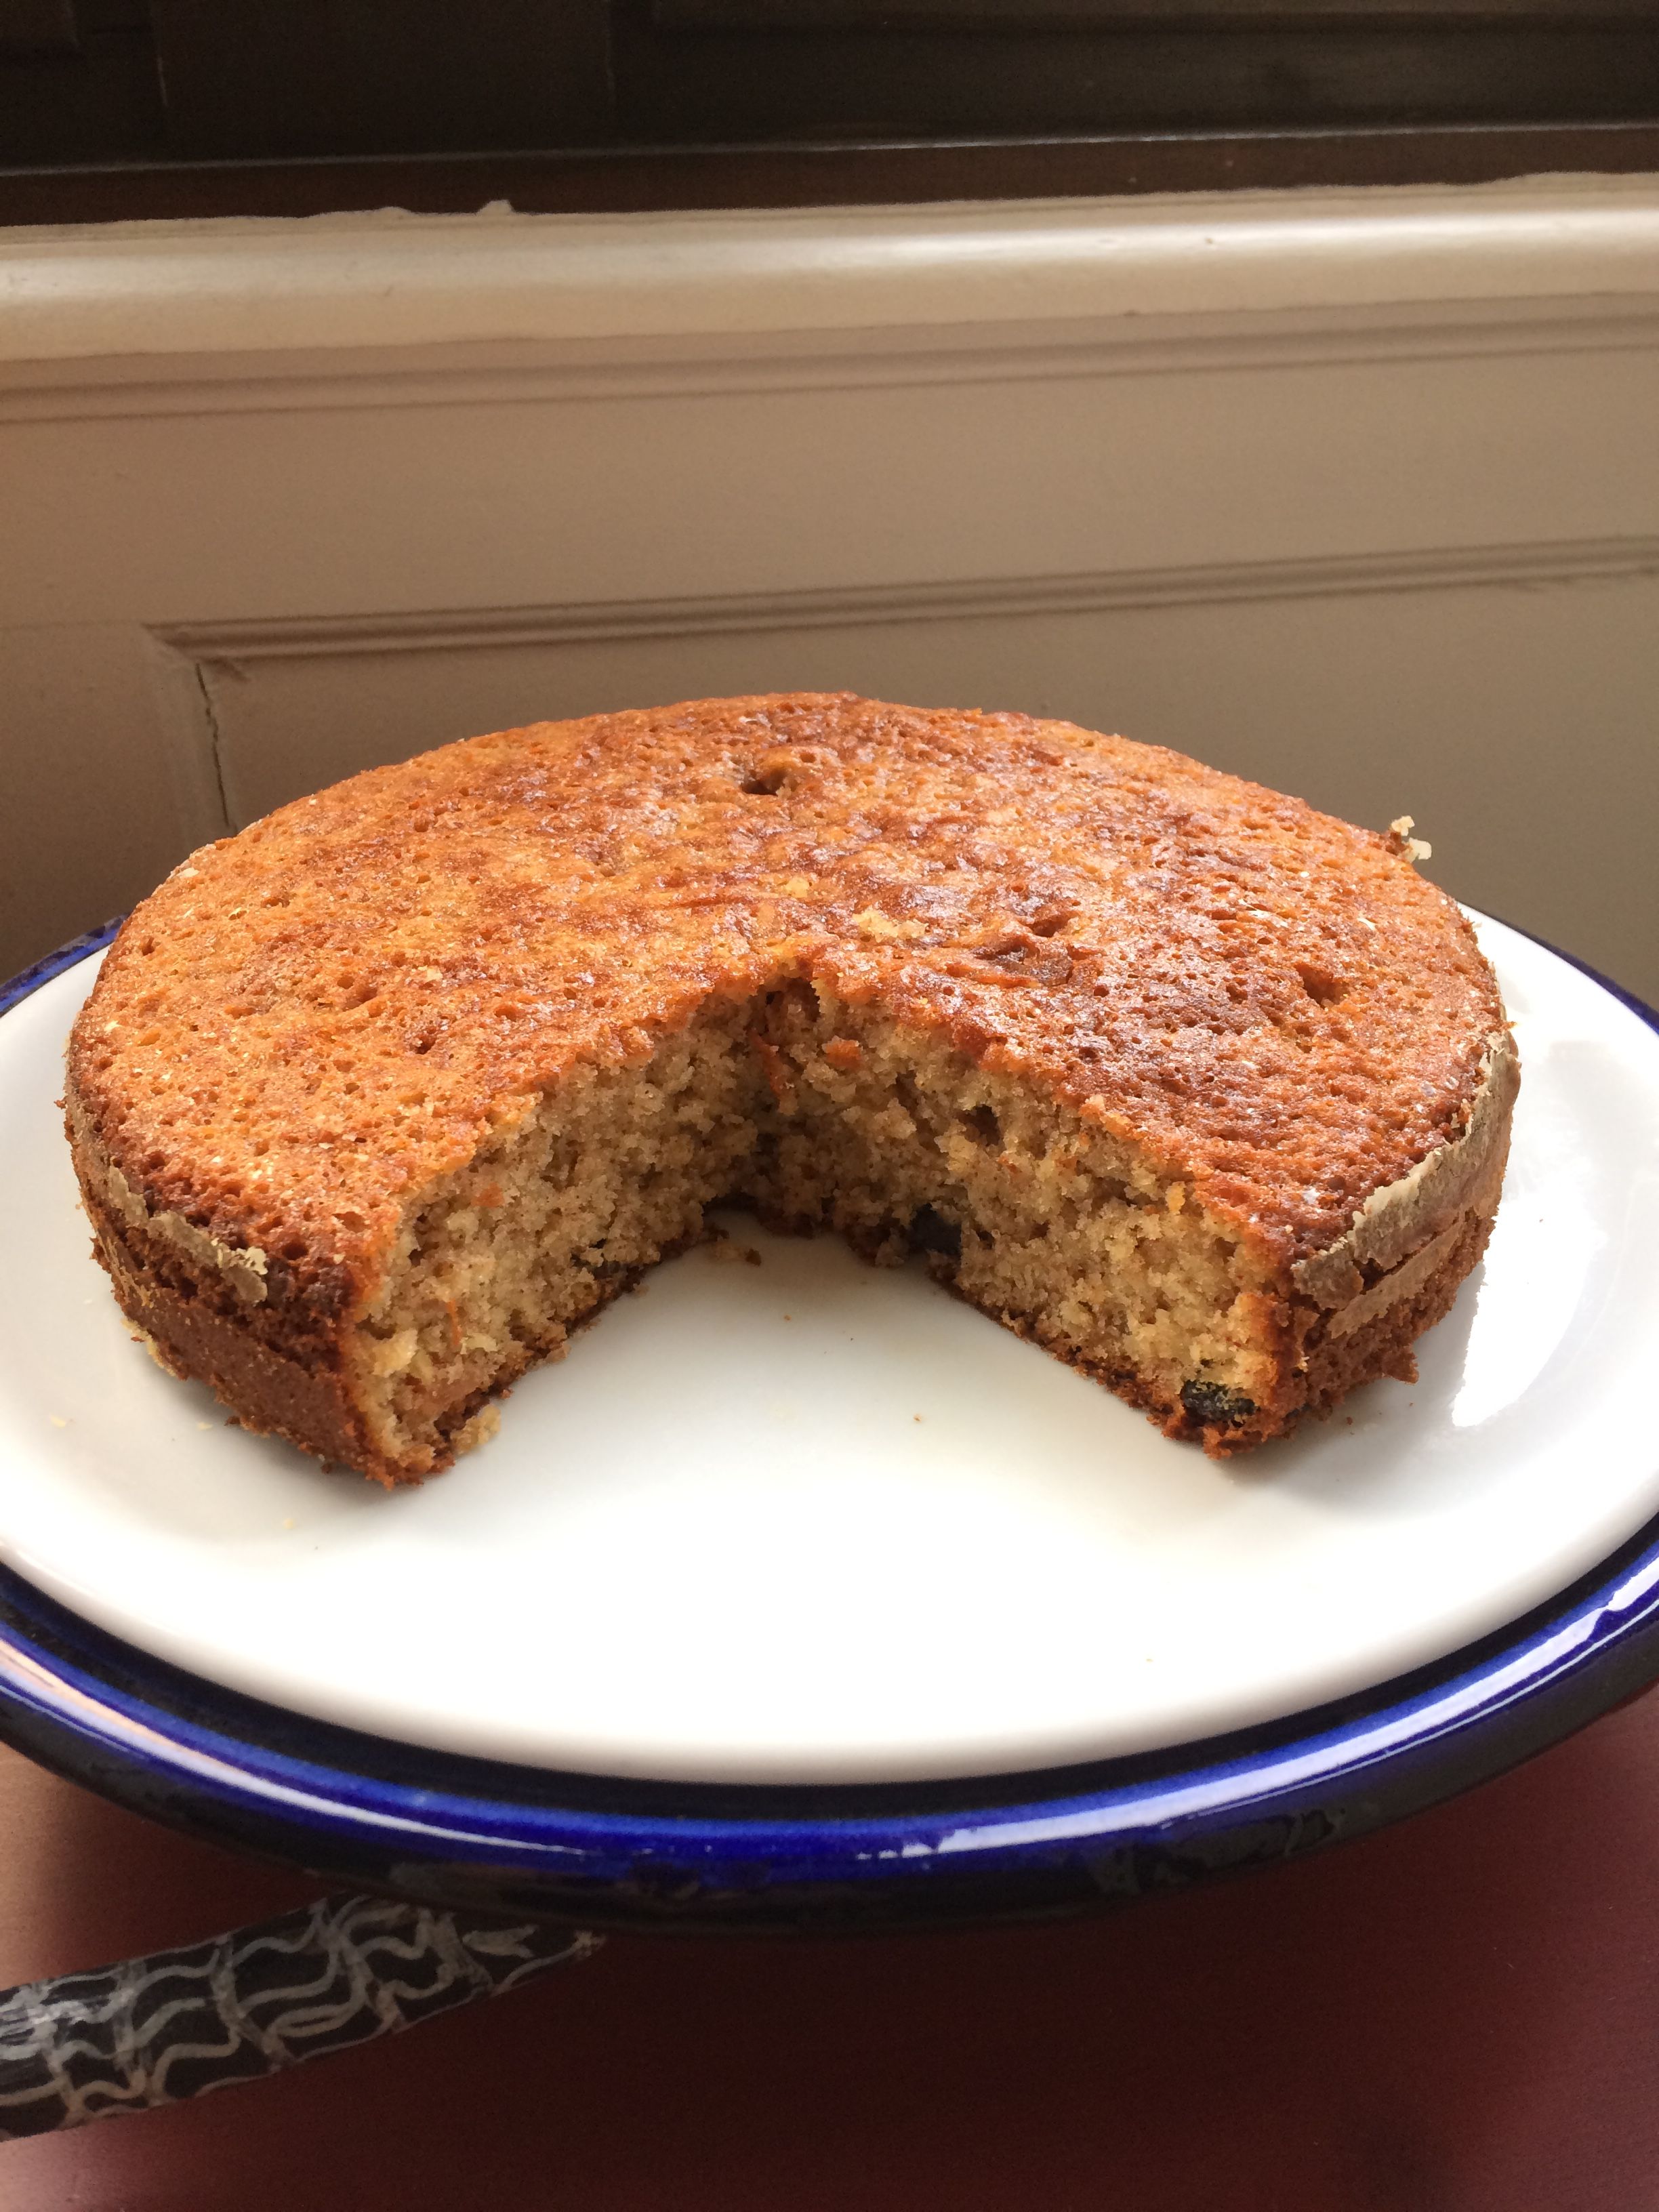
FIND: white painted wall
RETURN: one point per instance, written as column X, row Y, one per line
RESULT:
column 1356, row 493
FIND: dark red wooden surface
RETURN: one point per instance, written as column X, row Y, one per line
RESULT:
column 1461, row 2014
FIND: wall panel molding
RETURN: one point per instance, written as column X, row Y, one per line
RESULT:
column 394, row 309
column 177, row 289
column 232, row 647
column 1165, row 347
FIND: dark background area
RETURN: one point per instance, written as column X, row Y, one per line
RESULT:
column 111, row 107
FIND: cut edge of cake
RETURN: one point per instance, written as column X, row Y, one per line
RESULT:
column 820, row 1114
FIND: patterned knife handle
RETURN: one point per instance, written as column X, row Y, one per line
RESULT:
column 341, row 1971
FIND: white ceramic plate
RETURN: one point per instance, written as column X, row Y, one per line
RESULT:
column 817, row 1522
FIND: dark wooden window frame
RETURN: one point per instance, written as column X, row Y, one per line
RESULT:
column 166, row 107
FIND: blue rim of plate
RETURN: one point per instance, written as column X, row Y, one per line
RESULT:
column 449, row 1829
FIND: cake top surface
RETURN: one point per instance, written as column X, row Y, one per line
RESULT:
column 308, row 1021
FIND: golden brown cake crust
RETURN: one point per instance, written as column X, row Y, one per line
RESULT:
column 309, row 1021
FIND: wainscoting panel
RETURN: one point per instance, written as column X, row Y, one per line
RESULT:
column 1355, row 494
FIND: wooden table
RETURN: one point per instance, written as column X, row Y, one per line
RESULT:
column 1461, row 2014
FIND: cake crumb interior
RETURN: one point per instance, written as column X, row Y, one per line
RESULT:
column 819, row 1114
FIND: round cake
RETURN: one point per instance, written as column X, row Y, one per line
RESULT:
column 374, row 1103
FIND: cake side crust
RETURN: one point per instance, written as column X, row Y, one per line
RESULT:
column 195, row 1328
column 1399, row 1219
